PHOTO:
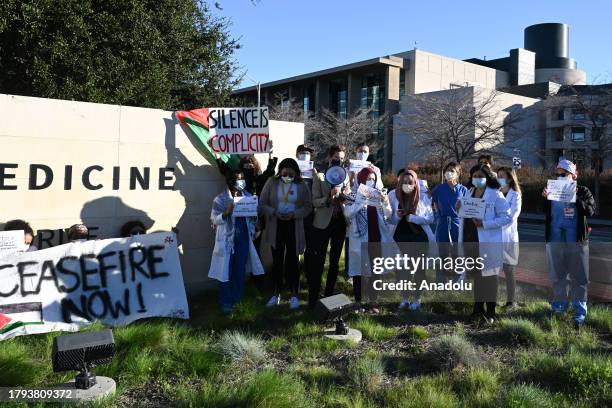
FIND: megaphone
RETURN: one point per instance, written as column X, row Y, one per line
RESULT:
column 335, row 175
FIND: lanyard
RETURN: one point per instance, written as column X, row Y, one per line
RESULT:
column 286, row 195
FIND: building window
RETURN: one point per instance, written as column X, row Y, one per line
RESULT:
column 578, row 114
column 373, row 96
column 578, row 134
column 338, row 97
column 558, row 132
column 561, row 114
column 402, row 83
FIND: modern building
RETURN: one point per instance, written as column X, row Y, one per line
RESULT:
column 381, row 83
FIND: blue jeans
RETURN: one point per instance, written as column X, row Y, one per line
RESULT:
column 230, row 292
column 568, row 259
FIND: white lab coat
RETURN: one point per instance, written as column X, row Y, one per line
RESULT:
column 389, row 249
column 224, row 241
column 510, row 232
column 496, row 216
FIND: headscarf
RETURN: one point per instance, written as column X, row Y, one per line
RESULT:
column 363, row 175
column 409, row 202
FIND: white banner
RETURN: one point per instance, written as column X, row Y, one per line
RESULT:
column 115, row 281
column 245, row 206
column 561, row 190
column 11, row 241
column 239, row 130
column 472, row 207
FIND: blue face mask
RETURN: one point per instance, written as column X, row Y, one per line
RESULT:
column 479, row 182
column 240, row 185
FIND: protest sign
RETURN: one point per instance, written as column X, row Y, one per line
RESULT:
column 239, row 130
column 245, row 206
column 561, row 190
column 472, row 207
column 357, row 165
column 11, row 241
column 368, row 196
column 306, row 167
column 115, row 281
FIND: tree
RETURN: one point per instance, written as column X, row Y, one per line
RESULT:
column 593, row 107
column 169, row 54
column 287, row 109
column 331, row 128
column 457, row 123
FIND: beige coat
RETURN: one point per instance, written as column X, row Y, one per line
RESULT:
column 268, row 203
column 321, row 201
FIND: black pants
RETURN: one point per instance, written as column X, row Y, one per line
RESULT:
column 485, row 293
column 310, row 250
column 285, row 263
column 322, row 238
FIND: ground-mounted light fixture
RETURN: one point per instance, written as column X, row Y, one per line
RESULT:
column 333, row 309
column 83, row 352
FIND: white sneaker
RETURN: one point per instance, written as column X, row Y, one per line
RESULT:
column 274, row 301
column 416, row 305
column 404, row 304
column 294, row 303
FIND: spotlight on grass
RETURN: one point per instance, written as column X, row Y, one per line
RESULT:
column 333, row 309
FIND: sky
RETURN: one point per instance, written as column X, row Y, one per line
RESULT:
column 283, row 38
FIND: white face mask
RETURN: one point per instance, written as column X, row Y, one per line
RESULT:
column 304, row 156
column 479, row 182
column 240, row 185
column 370, row 183
column 502, row 182
column 407, row 188
column 362, row 156
column 449, row 175
column 287, row 179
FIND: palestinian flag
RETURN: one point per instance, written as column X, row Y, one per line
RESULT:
column 196, row 122
column 18, row 315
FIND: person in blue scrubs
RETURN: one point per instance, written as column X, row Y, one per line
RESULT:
column 567, row 237
column 444, row 199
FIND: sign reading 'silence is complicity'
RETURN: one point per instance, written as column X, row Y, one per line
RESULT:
column 239, row 130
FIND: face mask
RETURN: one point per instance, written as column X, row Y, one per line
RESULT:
column 240, row 185
column 304, row 156
column 370, row 183
column 407, row 188
column 287, row 179
column 449, row 175
column 479, row 182
column 335, row 162
column 502, row 182
column 563, row 177
column 362, row 156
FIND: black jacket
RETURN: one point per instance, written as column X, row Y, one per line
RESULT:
column 254, row 183
column 585, row 206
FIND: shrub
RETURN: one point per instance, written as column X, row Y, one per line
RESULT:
column 241, row 347
column 366, row 372
column 374, row 331
column 418, row 333
column 521, row 331
column 451, row 351
column 524, row 396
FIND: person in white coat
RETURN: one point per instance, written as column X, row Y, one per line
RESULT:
column 368, row 224
column 485, row 238
column 411, row 218
column 234, row 253
column 511, row 189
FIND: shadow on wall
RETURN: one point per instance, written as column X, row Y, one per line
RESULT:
column 193, row 228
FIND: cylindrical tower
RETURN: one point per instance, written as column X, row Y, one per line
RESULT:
column 550, row 42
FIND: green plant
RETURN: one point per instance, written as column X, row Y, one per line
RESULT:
column 241, row 347
column 366, row 372
column 521, row 331
column 451, row 351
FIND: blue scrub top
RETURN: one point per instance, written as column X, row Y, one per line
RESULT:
column 445, row 198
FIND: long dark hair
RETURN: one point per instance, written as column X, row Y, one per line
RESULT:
column 491, row 178
column 512, row 178
column 290, row 163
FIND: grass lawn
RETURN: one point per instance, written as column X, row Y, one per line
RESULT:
column 277, row 358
